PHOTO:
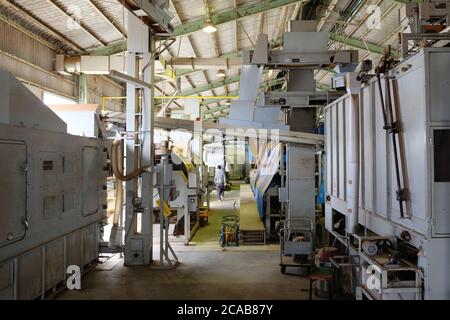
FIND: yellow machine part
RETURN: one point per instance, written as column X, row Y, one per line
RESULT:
column 166, row 209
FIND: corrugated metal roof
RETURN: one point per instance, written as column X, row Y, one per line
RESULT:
column 46, row 11
column 104, row 22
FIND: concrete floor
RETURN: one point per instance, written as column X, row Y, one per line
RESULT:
column 205, row 270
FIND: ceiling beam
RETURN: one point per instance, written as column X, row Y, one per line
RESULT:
column 281, row 23
column 350, row 41
column 264, row 85
column 110, row 49
column 232, row 14
column 108, row 20
column 216, row 47
column 236, row 28
column 214, row 110
column 408, row 1
column 297, row 11
column 20, row 28
column 359, row 44
column 328, row 11
column 209, row 86
column 261, row 19
column 156, row 18
column 177, row 17
column 79, row 24
column 50, row 31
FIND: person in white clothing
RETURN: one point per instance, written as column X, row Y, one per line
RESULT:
column 220, row 181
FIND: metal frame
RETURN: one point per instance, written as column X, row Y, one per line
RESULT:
column 309, row 60
column 291, row 248
column 139, row 121
column 405, row 37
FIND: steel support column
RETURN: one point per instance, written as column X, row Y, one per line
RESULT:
column 139, row 123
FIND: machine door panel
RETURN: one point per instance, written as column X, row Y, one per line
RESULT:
column 13, row 191
column 90, row 180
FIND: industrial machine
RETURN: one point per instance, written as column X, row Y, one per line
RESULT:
column 284, row 182
column 53, row 195
column 187, row 196
column 387, row 177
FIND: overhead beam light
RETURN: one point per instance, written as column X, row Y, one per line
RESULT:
column 221, row 73
column 209, row 26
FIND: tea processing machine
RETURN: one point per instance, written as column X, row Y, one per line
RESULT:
column 53, row 195
column 284, row 183
column 387, row 176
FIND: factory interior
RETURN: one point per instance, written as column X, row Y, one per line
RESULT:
column 224, row 150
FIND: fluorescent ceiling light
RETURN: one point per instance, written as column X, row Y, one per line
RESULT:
column 209, row 26
column 221, row 73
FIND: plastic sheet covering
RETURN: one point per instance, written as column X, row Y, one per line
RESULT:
column 268, row 166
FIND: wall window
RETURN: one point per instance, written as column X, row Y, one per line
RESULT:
column 52, row 98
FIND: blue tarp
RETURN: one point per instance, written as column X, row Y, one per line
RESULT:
column 259, row 197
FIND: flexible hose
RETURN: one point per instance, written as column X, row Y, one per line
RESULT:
column 117, row 164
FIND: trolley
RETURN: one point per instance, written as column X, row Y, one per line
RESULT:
column 229, row 232
column 297, row 244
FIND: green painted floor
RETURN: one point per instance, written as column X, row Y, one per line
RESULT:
column 205, row 270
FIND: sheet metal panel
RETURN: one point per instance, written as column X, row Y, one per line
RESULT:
column 13, row 159
column 342, row 146
column 439, row 77
column 380, row 160
column 438, row 259
column 46, row 178
column 301, row 181
column 29, row 276
column 366, row 116
column 6, row 280
column 54, row 263
column 90, row 177
column 413, row 108
column 429, row 224
column 328, row 150
column 334, row 152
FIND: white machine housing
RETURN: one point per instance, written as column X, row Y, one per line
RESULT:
column 53, row 195
column 423, row 90
column 188, row 195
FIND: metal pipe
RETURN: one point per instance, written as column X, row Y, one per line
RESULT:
column 104, row 98
column 117, row 164
column 204, row 63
